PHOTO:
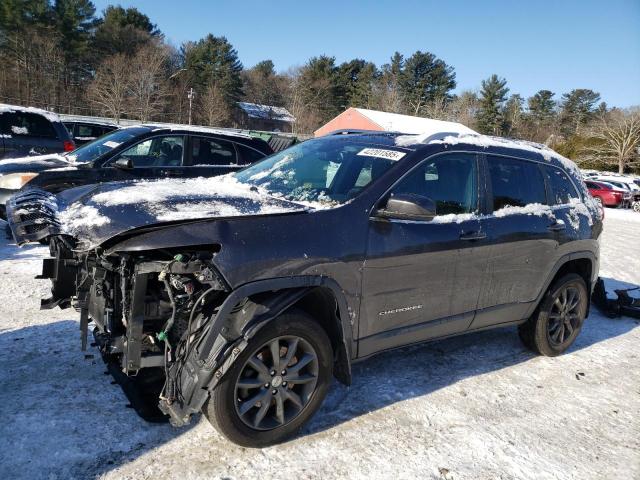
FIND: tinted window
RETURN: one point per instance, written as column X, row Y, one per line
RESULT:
column 211, row 151
column 249, row 155
column 449, row 180
column 562, row 189
column 591, row 185
column 89, row 132
column 155, row 152
column 515, row 183
column 27, row 124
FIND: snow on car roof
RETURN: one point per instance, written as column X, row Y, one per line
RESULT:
column 51, row 116
column 487, row 141
column 267, row 112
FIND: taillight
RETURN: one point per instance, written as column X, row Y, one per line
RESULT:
column 68, row 145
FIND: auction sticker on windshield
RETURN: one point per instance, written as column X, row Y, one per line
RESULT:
column 111, row 144
column 382, row 153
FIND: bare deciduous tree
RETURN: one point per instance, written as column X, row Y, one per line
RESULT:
column 215, row 108
column 109, row 90
column 147, row 83
column 618, row 135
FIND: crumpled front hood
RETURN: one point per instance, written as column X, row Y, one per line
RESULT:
column 33, row 164
column 96, row 213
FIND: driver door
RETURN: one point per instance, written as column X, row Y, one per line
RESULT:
column 155, row 157
column 422, row 278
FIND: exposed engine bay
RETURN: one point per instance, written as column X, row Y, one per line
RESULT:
column 149, row 310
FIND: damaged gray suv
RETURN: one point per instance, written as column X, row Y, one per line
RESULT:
column 242, row 296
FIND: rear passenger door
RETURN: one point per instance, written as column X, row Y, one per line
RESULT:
column 521, row 239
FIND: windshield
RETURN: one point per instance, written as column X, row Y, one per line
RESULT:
column 93, row 150
column 329, row 171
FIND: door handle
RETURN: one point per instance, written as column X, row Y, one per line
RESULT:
column 557, row 226
column 473, row 235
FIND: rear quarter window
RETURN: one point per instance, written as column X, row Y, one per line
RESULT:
column 562, row 189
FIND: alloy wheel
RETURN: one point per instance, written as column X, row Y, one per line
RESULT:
column 564, row 317
column 276, row 383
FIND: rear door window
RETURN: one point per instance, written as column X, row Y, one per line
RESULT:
column 515, row 183
column 562, row 189
column 212, row 151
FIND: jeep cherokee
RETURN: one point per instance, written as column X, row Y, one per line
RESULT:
column 247, row 292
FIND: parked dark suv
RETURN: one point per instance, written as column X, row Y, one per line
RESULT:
column 85, row 131
column 247, row 292
column 28, row 131
column 132, row 153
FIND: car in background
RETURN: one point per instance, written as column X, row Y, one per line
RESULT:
column 605, row 194
column 624, row 184
column 133, row 153
column 84, row 131
column 26, row 131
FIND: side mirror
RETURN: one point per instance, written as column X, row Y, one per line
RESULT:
column 124, row 163
column 408, row 206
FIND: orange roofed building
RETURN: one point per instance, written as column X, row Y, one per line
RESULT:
column 363, row 119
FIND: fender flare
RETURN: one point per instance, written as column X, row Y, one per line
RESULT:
column 218, row 350
column 580, row 255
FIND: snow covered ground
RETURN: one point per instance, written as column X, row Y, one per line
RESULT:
column 473, row 407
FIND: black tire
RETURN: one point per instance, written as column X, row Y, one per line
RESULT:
column 549, row 331
column 223, row 407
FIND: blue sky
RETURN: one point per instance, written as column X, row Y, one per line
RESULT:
column 556, row 45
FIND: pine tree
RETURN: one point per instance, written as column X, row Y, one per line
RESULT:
column 425, row 79
column 492, row 98
column 578, row 108
column 542, row 106
column 123, row 31
column 213, row 65
column 355, row 83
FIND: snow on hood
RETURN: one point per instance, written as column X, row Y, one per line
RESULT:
column 34, row 163
column 96, row 213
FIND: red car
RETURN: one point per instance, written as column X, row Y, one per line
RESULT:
column 605, row 194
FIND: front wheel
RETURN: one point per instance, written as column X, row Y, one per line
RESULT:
column 277, row 383
column 555, row 324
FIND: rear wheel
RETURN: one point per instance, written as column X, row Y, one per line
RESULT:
column 276, row 385
column 558, row 319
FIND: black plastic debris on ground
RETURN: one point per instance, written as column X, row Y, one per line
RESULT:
column 623, row 305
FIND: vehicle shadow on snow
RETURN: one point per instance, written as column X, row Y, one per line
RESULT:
column 63, row 417
column 416, row 371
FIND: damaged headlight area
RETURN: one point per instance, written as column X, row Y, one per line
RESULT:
column 149, row 310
